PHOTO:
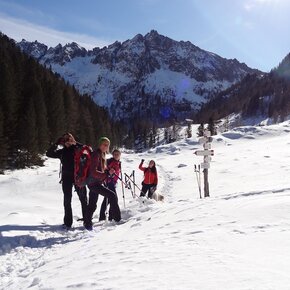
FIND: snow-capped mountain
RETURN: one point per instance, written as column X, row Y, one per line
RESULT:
column 151, row 75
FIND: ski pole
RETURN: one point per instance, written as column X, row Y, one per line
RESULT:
column 199, row 171
column 197, row 179
column 123, row 191
column 128, row 185
column 106, row 212
column 134, row 183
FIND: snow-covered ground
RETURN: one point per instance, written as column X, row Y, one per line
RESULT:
column 239, row 238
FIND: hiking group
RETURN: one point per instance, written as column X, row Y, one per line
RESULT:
column 83, row 167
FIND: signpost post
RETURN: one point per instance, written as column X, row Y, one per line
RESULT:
column 206, row 153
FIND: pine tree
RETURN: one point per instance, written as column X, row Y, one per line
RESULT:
column 200, row 130
column 226, row 124
column 166, row 135
column 71, row 109
column 175, row 131
column 36, row 107
column 189, row 130
column 212, row 127
column 55, row 111
column 3, row 143
column 42, row 134
column 28, row 129
column 8, row 101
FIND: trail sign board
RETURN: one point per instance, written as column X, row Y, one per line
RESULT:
column 205, row 165
column 204, row 152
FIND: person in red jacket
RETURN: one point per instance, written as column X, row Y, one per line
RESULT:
column 112, row 163
column 150, row 181
column 98, row 175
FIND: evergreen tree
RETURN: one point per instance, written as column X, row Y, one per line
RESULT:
column 212, row 127
column 189, row 130
column 175, row 132
column 36, row 107
column 32, row 89
column 3, row 143
column 56, row 112
column 8, row 100
column 41, row 118
column 28, row 129
column 71, row 109
column 166, row 135
column 226, row 124
column 200, row 130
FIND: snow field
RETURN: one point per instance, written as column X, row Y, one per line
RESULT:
column 236, row 239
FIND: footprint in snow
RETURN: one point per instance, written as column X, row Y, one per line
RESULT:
column 181, row 165
column 195, row 232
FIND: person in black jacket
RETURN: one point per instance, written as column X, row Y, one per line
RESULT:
column 66, row 156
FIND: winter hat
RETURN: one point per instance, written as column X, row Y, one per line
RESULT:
column 104, row 139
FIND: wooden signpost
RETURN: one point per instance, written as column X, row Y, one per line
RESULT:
column 206, row 153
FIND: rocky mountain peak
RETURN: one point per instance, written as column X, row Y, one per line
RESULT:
column 148, row 70
column 35, row 48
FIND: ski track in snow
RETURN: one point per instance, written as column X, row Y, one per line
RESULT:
column 237, row 239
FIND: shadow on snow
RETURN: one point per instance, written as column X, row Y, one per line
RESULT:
column 9, row 243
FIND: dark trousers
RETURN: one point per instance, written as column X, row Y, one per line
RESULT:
column 67, row 186
column 145, row 188
column 95, row 190
column 105, row 203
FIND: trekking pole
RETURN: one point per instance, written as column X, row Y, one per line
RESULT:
column 106, row 212
column 199, row 171
column 128, row 185
column 123, row 191
column 197, row 178
column 133, row 183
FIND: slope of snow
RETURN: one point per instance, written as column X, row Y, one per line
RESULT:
column 179, row 86
column 236, row 239
column 92, row 79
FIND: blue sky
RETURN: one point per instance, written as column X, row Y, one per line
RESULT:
column 253, row 31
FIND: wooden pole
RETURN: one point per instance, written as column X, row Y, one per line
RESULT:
column 206, row 184
column 205, row 171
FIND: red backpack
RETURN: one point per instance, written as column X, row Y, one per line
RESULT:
column 82, row 162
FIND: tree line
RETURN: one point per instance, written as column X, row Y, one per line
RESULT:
column 37, row 106
column 267, row 96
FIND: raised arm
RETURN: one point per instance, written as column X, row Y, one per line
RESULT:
column 141, row 167
column 53, row 152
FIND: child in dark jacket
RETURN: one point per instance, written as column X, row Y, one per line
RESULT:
column 150, row 181
column 66, row 156
column 112, row 163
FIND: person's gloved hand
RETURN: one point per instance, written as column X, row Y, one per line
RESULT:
column 111, row 171
column 142, row 161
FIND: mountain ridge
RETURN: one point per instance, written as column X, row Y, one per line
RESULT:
column 151, row 71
